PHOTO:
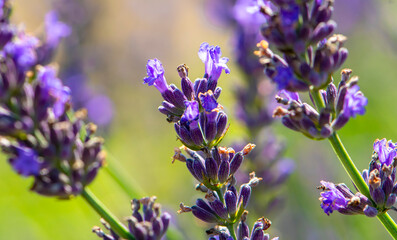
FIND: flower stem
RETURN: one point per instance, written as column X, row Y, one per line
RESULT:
column 131, row 188
column 352, row 170
column 98, row 206
column 116, row 172
column 230, row 227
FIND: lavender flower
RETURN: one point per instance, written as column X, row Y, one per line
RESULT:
column 22, row 51
column 381, row 175
column 223, row 209
column 340, row 198
column 51, row 86
column 340, row 105
column 386, row 151
column 155, row 72
column 150, row 224
column 55, row 30
column 354, row 102
column 26, row 161
column 214, row 64
column 199, row 119
column 217, row 169
column 41, row 139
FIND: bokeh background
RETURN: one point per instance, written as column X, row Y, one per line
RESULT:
column 117, row 39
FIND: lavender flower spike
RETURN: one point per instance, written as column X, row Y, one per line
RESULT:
column 155, row 72
column 214, row 64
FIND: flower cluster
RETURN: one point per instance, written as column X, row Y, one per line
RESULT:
column 302, row 33
column 200, row 125
column 341, row 104
column 199, row 120
column 39, row 133
column 299, row 30
column 380, row 178
column 151, row 224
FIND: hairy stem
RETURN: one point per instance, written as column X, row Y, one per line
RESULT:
column 98, row 206
column 352, row 170
column 230, row 227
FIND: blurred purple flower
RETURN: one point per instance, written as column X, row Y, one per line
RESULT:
column 55, row 29
column 54, row 87
column 22, row 50
column 100, row 109
column 26, row 162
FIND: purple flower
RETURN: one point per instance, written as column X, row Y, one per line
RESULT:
column 192, row 111
column 284, row 77
column 54, row 87
column 289, row 15
column 26, row 162
column 332, row 199
column 55, row 30
column 214, row 64
column 386, row 151
column 291, row 96
column 247, row 14
column 208, row 101
column 354, row 102
column 22, row 50
column 155, row 75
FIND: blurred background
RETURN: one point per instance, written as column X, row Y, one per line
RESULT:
column 107, row 53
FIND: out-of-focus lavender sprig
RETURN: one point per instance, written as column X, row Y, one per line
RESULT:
column 254, row 99
column 150, row 223
column 200, row 124
column 39, row 133
column 79, row 15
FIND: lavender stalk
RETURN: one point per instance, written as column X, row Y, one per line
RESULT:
column 302, row 32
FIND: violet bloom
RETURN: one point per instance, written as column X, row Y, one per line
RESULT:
column 155, row 75
column 208, row 101
column 55, row 30
column 54, row 87
column 192, row 111
column 247, row 14
column 284, row 77
column 26, row 162
column 289, row 15
column 355, row 102
column 22, row 50
column 332, row 199
column 386, row 151
column 214, row 64
column 291, row 96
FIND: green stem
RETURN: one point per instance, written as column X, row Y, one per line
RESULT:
column 130, row 187
column 98, row 206
column 230, row 227
column 117, row 173
column 352, row 170
column 220, row 195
